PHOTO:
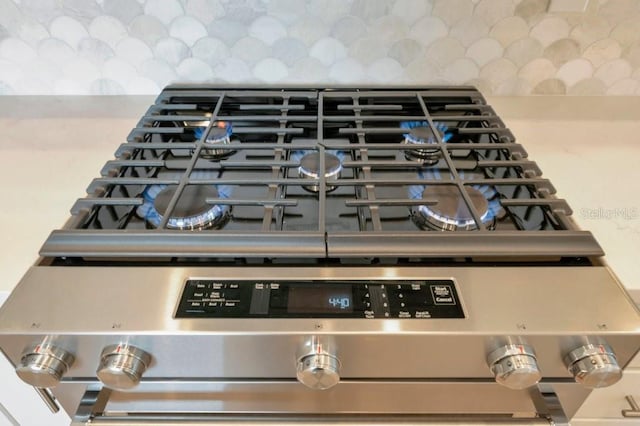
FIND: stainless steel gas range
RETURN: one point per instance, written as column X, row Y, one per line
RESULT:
column 319, row 255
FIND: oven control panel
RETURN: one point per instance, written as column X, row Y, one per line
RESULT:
column 204, row 298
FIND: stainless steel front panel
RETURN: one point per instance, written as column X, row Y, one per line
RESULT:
column 552, row 309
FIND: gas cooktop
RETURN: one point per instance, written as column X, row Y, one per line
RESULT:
column 321, row 173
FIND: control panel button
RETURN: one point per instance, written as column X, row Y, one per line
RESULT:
column 442, row 294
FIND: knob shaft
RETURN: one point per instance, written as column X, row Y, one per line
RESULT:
column 594, row 366
column 122, row 366
column 515, row 366
column 319, row 371
column 43, row 365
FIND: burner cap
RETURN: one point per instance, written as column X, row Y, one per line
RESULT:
column 191, row 211
column 218, row 135
column 191, row 202
column 310, row 168
column 423, row 133
column 451, row 212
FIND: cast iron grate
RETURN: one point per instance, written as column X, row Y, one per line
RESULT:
column 366, row 211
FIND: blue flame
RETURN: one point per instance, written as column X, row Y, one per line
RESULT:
column 296, row 156
column 415, row 191
column 440, row 127
column 199, row 131
column 224, row 191
column 430, row 174
column 494, row 208
column 148, row 211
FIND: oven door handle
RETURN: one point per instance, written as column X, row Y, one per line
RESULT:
column 93, row 402
column 274, row 420
column 318, row 422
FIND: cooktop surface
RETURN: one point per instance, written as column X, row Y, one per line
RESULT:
column 312, row 172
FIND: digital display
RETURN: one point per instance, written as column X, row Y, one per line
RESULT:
column 320, row 299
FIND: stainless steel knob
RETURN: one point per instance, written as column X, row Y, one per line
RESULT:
column 594, row 366
column 43, row 365
column 122, row 366
column 515, row 366
column 319, row 371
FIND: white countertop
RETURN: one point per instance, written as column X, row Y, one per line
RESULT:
column 52, row 147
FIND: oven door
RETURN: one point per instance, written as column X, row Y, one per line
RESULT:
column 353, row 402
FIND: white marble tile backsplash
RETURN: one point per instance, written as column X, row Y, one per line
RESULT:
column 505, row 47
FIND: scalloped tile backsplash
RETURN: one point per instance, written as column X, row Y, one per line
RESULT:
column 504, row 47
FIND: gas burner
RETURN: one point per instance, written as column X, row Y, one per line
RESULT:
column 451, row 213
column 420, row 133
column 309, row 168
column 191, row 212
column 218, row 136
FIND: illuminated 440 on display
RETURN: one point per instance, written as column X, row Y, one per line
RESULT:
column 341, row 302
